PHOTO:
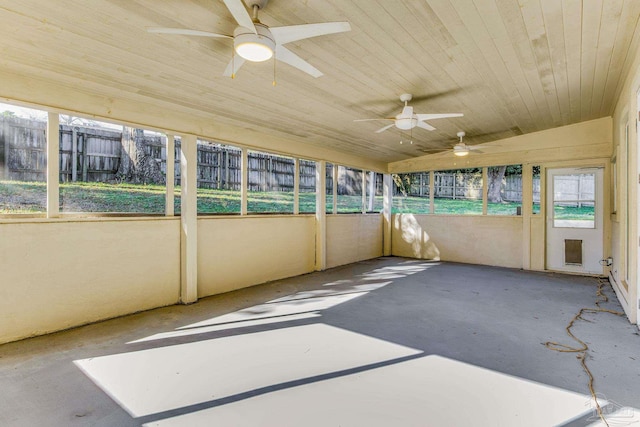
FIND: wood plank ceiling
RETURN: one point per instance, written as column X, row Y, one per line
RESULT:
column 511, row 66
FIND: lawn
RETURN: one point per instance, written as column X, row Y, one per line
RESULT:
column 30, row 197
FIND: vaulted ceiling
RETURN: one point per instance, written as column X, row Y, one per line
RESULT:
column 511, row 66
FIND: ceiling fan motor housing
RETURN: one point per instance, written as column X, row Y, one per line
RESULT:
column 257, row 47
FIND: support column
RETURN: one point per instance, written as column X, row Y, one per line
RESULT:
column 296, row 186
column 526, row 209
column 244, row 181
column 53, row 165
column 386, row 214
column 321, row 215
column 169, row 176
column 189, row 220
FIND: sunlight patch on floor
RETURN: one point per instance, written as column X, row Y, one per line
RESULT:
column 298, row 306
column 165, row 378
column 427, row 391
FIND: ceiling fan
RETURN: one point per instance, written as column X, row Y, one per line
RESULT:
column 255, row 42
column 461, row 149
column 407, row 120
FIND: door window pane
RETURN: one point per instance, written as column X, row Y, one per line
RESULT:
column 574, row 200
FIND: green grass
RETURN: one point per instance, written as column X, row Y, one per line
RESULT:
column 30, row 197
column 574, row 213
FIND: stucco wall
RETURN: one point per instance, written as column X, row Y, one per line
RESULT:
column 352, row 238
column 489, row 240
column 234, row 253
column 60, row 274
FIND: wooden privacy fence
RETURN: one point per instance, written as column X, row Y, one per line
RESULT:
column 23, row 149
column 93, row 154
column 461, row 185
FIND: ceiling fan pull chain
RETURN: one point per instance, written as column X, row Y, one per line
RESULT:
column 274, row 66
column 233, row 64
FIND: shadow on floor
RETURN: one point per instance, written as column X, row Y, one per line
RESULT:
column 372, row 323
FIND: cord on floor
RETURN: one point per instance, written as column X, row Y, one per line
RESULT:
column 582, row 351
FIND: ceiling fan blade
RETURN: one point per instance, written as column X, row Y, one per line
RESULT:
column 285, row 55
column 293, row 33
column 233, row 66
column 240, row 14
column 438, row 116
column 425, row 125
column 185, row 32
column 370, row 120
column 385, row 128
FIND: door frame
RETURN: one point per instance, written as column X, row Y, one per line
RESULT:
column 600, row 163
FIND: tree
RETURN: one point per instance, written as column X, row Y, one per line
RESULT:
column 495, row 175
column 136, row 166
column 403, row 181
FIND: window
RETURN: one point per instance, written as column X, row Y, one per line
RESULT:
column 329, row 190
column 219, row 178
column 574, row 200
column 536, row 190
column 270, row 184
column 349, row 190
column 458, row 192
column 504, row 190
column 411, row 193
column 374, row 191
column 23, row 160
column 307, row 186
column 110, row 168
column 614, row 184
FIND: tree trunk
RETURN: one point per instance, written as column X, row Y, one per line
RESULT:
column 496, row 175
column 136, row 166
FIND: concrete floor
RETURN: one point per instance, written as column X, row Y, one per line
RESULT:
column 384, row 342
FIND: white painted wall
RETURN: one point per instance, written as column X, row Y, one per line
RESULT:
column 61, row 273
column 353, row 238
column 626, row 111
column 488, row 240
column 236, row 252
column 57, row 274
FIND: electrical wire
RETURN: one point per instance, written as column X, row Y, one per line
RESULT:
column 583, row 350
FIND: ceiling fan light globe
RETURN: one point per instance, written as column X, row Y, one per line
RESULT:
column 460, row 151
column 406, row 123
column 254, row 52
column 254, row 47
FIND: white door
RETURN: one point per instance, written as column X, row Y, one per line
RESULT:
column 574, row 220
